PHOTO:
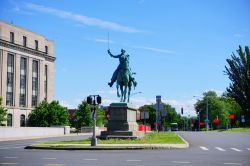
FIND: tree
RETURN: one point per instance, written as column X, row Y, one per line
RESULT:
column 238, row 72
column 150, row 109
column 3, row 113
column 172, row 116
column 48, row 114
column 218, row 108
column 82, row 116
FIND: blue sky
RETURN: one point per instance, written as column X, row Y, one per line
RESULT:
column 178, row 48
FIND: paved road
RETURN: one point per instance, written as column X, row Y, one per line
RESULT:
column 206, row 149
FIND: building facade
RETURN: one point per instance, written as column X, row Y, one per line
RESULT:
column 26, row 71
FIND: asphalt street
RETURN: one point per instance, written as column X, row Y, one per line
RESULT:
column 206, row 149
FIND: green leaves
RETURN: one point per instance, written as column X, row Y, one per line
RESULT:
column 3, row 112
column 82, row 116
column 48, row 114
column 238, row 71
column 218, row 107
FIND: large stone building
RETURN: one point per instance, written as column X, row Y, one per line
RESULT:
column 26, row 71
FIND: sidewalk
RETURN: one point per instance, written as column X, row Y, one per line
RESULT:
column 52, row 136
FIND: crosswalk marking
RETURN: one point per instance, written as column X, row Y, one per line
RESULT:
column 220, row 149
column 90, row 159
column 133, row 160
column 48, row 158
column 203, row 148
column 232, row 163
column 7, row 157
column 235, row 149
column 181, row 162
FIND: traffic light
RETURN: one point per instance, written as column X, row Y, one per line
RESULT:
column 99, row 99
column 182, row 110
column 89, row 100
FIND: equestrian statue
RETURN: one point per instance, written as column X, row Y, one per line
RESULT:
column 123, row 76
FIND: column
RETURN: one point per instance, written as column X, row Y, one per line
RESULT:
column 50, row 91
column 16, row 90
column 4, row 76
column 29, row 82
column 41, row 78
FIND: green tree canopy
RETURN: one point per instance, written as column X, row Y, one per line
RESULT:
column 172, row 116
column 218, row 107
column 3, row 112
column 238, row 71
column 82, row 116
column 48, row 114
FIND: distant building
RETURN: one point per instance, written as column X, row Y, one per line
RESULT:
column 26, row 71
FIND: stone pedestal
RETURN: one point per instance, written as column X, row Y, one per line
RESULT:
column 122, row 122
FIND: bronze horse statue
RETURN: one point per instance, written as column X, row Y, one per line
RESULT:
column 123, row 76
column 124, row 82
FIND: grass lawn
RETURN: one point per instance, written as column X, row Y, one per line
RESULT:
column 150, row 138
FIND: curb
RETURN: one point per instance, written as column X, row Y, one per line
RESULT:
column 108, row 147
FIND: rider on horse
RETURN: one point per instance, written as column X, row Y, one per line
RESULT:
column 124, row 64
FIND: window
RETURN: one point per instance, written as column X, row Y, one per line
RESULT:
column 10, row 79
column 23, row 80
column 46, row 49
column 36, row 44
column 24, row 41
column 34, row 82
column 12, row 37
column 9, row 120
column 22, row 120
column 45, row 82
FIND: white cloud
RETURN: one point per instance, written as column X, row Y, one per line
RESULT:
column 103, row 41
column 165, row 51
column 238, row 35
column 66, row 104
column 82, row 19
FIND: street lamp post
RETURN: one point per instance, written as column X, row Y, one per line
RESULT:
column 199, row 120
column 94, row 100
column 206, row 121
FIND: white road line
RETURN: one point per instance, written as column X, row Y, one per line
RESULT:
column 90, row 159
column 181, row 162
column 238, row 150
column 48, row 158
column 248, row 148
column 133, row 160
column 203, row 148
column 220, row 149
column 232, row 163
column 7, row 157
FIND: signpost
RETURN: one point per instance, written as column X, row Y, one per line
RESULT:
column 158, row 107
column 242, row 117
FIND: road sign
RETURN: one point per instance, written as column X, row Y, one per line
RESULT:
column 163, row 113
column 158, row 106
column 144, row 115
column 242, row 117
column 158, row 99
